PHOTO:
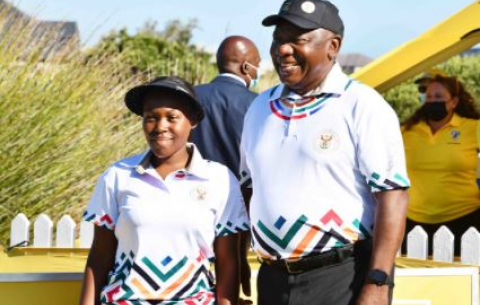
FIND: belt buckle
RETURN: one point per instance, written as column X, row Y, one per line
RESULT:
column 287, row 266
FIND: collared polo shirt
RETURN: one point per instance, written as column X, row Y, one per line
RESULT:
column 442, row 168
column 165, row 228
column 314, row 163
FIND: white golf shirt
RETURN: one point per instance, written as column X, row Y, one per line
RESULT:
column 314, row 162
column 165, row 228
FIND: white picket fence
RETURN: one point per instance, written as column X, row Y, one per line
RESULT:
column 43, row 232
column 443, row 245
column 417, row 239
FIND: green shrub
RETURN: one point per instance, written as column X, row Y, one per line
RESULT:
column 404, row 97
column 151, row 52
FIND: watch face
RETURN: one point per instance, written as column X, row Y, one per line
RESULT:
column 378, row 277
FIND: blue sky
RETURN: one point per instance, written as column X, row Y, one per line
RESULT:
column 372, row 27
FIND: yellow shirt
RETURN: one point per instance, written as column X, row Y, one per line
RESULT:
column 442, row 170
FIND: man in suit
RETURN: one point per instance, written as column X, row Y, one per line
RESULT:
column 226, row 100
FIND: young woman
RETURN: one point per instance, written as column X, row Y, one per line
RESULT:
column 441, row 144
column 162, row 217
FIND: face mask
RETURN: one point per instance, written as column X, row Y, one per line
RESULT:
column 253, row 81
column 422, row 93
column 423, row 97
column 436, row 110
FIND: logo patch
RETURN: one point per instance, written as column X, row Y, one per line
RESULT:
column 326, row 141
column 308, row 7
column 199, row 193
column 455, row 135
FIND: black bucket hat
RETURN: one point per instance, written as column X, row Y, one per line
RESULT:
column 135, row 96
column 308, row 15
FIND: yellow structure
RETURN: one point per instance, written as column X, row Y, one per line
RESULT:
column 50, row 276
column 454, row 35
column 439, row 286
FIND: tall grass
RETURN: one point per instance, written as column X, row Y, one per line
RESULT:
column 62, row 117
column 62, row 123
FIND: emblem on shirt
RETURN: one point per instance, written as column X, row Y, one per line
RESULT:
column 326, row 141
column 308, row 7
column 455, row 135
column 199, row 193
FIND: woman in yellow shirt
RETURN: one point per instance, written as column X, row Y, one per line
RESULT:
column 441, row 146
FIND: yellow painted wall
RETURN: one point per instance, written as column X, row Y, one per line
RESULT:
column 40, row 293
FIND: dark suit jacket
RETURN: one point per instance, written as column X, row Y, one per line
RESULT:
column 218, row 135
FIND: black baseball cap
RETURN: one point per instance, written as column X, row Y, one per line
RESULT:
column 309, row 15
column 135, row 96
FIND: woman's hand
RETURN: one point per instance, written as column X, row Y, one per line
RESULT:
column 101, row 259
column 227, row 269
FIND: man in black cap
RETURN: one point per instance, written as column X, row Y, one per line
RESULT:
column 324, row 157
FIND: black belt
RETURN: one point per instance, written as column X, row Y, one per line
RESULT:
column 303, row 264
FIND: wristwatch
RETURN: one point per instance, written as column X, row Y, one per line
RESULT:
column 379, row 278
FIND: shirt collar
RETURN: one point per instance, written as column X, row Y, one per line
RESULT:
column 336, row 82
column 455, row 121
column 197, row 166
column 231, row 75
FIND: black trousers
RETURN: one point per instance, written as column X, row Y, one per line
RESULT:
column 457, row 226
column 332, row 285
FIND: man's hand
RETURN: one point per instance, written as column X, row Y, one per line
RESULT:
column 373, row 295
column 388, row 233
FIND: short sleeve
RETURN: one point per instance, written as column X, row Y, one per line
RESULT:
column 233, row 218
column 380, row 150
column 244, row 171
column 244, row 174
column 102, row 210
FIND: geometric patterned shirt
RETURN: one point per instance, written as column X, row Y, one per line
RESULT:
column 165, row 228
column 314, row 163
